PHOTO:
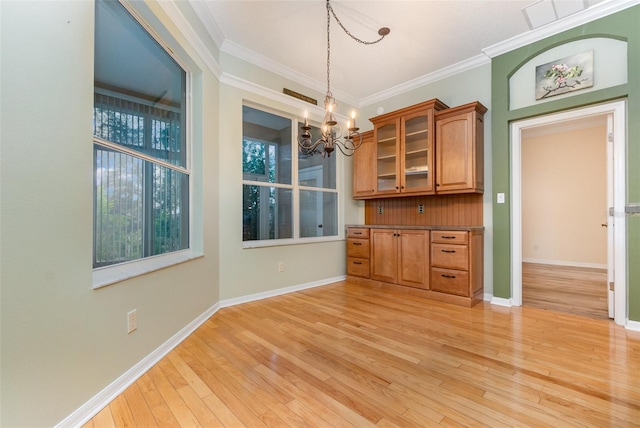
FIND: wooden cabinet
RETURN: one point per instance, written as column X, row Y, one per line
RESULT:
column 460, row 149
column 447, row 265
column 403, row 150
column 400, row 256
column 423, row 149
column 364, row 179
column 358, row 252
column 457, row 264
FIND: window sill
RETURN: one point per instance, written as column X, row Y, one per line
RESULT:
column 281, row 242
column 124, row 271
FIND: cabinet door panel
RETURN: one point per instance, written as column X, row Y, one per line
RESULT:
column 387, row 147
column 384, row 260
column 364, row 179
column 413, row 251
column 455, row 159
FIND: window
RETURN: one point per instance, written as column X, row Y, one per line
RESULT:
column 285, row 197
column 141, row 180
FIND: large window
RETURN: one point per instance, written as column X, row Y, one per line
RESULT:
column 286, row 196
column 141, row 176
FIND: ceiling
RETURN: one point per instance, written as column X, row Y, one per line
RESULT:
column 427, row 37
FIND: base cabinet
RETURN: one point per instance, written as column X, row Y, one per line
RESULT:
column 457, row 263
column 358, row 252
column 446, row 264
column 400, row 256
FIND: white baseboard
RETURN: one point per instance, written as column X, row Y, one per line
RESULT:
column 565, row 263
column 88, row 410
column 500, row 301
column 272, row 293
column 632, row 325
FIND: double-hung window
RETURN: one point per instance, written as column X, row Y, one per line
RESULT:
column 141, row 175
column 287, row 196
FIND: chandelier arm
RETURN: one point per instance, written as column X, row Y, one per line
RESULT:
column 364, row 42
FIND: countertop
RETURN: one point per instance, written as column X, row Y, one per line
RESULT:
column 396, row 226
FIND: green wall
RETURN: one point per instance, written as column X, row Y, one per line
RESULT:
column 622, row 25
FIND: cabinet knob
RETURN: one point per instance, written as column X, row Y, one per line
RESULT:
column 437, row 184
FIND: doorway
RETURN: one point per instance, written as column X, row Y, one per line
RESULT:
column 612, row 117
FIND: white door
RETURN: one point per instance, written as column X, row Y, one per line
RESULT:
column 610, row 222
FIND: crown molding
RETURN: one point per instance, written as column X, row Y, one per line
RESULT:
column 201, row 9
column 437, row 75
column 268, row 64
column 595, row 12
column 254, row 88
column 184, row 27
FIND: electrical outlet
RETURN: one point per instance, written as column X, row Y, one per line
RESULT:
column 281, row 267
column 420, row 209
column 132, row 321
column 380, row 209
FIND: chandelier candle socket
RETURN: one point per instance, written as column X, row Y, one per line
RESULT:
column 332, row 132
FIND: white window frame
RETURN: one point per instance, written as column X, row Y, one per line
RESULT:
column 103, row 276
column 296, row 188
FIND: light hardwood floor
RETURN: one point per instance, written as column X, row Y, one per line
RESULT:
column 351, row 355
column 575, row 290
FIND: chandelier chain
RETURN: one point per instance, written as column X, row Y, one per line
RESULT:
column 364, row 42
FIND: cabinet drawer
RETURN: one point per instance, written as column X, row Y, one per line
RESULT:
column 358, row 248
column 450, row 256
column 358, row 267
column 450, row 281
column 358, row 232
column 450, row 236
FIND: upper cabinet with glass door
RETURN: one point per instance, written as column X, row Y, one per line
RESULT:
column 404, row 149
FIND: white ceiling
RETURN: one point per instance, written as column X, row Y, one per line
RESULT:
column 426, row 37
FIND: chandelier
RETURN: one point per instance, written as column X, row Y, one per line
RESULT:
column 331, row 132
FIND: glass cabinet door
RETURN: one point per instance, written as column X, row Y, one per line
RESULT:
column 386, row 157
column 417, row 153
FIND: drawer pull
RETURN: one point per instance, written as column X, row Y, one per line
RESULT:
column 357, row 263
column 357, row 243
column 448, row 276
column 448, row 237
column 357, row 233
column 448, row 251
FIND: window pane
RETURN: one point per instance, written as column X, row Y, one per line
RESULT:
column 266, row 147
column 140, row 89
column 119, row 208
column 318, row 213
column 267, row 213
column 126, row 226
column 169, row 228
column 315, row 170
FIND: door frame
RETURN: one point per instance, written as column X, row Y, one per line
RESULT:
column 617, row 110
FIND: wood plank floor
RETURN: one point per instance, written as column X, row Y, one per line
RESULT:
column 576, row 290
column 347, row 355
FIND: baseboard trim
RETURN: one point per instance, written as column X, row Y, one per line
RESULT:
column 84, row 413
column 88, row 410
column 632, row 325
column 278, row 292
column 500, row 301
column 565, row 263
